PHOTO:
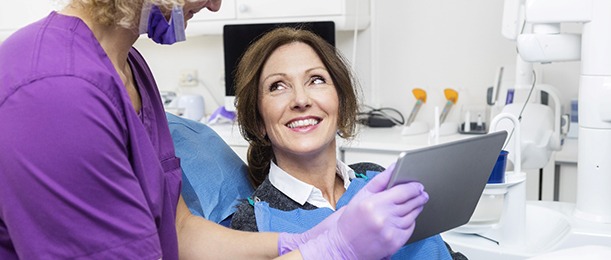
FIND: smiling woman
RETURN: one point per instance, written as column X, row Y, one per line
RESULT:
column 325, row 72
column 298, row 104
column 294, row 95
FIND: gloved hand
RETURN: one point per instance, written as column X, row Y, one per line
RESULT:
column 374, row 225
column 163, row 31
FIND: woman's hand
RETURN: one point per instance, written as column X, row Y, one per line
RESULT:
column 375, row 224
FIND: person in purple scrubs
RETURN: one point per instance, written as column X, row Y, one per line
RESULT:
column 88, row 168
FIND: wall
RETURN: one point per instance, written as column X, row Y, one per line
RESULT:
column 437, row 44
column 205, row 54
column 202, row 53
column 433, row 44
column 430, row 44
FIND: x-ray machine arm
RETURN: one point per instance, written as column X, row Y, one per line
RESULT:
column 547, row 44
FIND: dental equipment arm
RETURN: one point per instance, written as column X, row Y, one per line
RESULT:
column 512, row 18
column 594, row 48
column 543, row 133
column 546, row 43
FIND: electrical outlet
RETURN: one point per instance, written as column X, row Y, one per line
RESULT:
column 188, row 78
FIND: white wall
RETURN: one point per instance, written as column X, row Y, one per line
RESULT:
column 437, row 44
column 432, row 44
column 205, row 54
column 202, row 53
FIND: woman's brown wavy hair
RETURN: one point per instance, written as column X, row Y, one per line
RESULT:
column 248, row 73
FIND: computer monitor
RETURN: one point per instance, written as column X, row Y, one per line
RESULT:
column 237, row 38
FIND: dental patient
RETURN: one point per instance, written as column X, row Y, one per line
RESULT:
column 294, row 95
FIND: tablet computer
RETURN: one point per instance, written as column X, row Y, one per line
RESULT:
column 454, row 174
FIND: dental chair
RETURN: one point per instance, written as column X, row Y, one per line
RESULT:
column 213, row 175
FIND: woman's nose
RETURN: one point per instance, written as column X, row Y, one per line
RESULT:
column 301, row 98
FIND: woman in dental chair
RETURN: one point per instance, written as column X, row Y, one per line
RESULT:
column 294, row 95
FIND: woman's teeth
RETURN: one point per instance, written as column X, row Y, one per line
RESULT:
column 302, row 123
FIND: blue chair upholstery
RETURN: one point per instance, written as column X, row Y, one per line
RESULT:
column 214, row 177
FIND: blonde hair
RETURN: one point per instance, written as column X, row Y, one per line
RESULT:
column 123, row 13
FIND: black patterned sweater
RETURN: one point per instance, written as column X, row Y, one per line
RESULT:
column 244, row 217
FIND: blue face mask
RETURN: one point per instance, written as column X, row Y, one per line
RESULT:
column 160, row 30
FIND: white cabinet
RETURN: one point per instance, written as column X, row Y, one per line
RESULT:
column 347, row 14
column 383, row 145
column 381, row 157
column 16, row 14
column 249, row 9
column 227, row 12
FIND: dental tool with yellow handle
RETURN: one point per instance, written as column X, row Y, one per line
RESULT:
column 420, row 96
column 451, row 97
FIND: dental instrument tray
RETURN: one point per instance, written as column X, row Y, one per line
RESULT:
column 454, row 174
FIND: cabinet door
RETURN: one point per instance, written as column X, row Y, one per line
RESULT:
column 227, row 12
column 249, row 9
column 342, row 12
column 383, row 158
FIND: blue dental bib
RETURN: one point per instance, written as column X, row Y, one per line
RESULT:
column 300, row 220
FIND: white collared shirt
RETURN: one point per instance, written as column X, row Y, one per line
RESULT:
column 302, row 192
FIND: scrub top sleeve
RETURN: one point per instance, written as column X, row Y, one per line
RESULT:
column 75, row 194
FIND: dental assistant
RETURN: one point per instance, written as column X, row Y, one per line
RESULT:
column 87, row 165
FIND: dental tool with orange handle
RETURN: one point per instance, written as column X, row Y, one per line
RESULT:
column 420, row 95
column 451, row 97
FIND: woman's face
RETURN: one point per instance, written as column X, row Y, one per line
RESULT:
column 298, row 102
column 191, row 7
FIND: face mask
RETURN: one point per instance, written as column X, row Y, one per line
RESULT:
column 160, row 30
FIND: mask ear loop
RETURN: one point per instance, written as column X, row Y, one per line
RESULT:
column 178, row 22
column 144, row 17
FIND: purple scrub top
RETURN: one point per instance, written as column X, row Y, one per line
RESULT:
column 82, row 175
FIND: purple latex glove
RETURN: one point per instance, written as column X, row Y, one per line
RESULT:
column 374, row 225
column 164, row 32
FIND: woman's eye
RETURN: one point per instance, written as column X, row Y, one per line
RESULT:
column 318, row 80
column 276, row 86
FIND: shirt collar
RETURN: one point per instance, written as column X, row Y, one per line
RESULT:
column 302, row 192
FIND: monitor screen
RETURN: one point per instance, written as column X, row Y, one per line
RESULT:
column 237, row 38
